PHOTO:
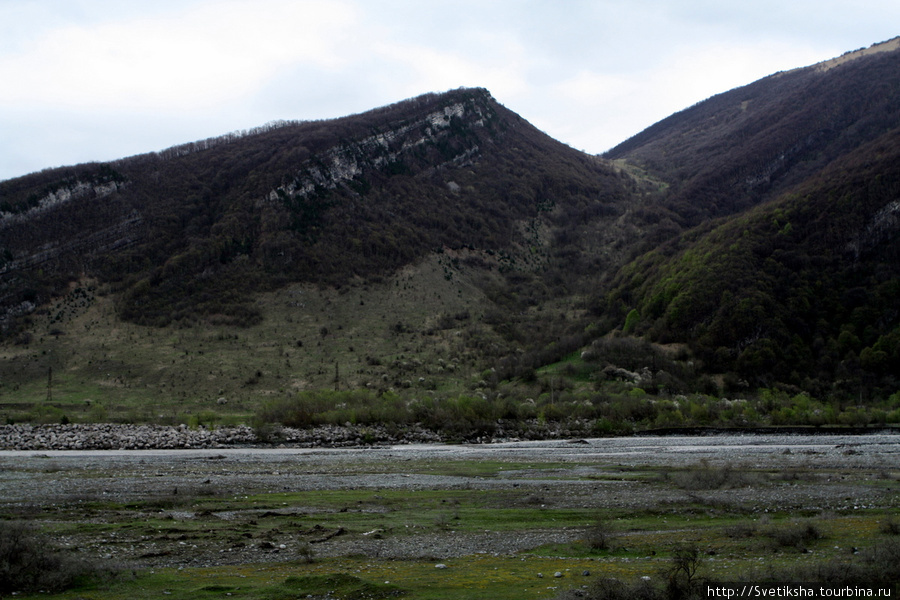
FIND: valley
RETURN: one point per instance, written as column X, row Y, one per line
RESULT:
column 427, row 351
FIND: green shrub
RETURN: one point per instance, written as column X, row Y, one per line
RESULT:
column 683, row 578
column 680, row 579
column 600, row 536
column 741, row 530
column 710, row 477
column 265, row 432
column 890, row 526
column 797, row 536
column 877, row 565
column 610, row 588
column 45, row 414
column 28, row 564
column 631, row 321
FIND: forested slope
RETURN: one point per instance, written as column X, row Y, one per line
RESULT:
column 188, row 234
column 802, row 286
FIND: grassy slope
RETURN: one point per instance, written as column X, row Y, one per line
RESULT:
column 381, row 334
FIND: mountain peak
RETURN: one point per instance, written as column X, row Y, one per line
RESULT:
column 318, row 201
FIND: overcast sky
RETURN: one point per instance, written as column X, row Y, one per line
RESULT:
column 84, row 80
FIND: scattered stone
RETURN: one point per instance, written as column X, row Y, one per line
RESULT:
column 115, row 436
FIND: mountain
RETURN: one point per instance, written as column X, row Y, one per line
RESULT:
column 186, row 234
column 420, row 242
column 791, row 272
column 744, row 146
column 443, row 248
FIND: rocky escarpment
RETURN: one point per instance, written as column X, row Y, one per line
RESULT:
column 65, row 192
column 392, row 150
column 55, row 231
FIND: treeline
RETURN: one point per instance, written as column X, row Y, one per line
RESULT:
column 212, row 142
column 632, row 410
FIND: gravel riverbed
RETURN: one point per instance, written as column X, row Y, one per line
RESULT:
column 554, row 474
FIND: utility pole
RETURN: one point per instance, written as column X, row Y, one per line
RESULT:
column 49, row 384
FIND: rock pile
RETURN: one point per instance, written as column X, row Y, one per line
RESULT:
column 107, row 436
column 335, row 436
column 115, row 436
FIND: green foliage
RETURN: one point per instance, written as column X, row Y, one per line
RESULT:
column 785, row 308
column 612, row 588
column 601, row 535
column 28, row 564
column 796, row 536
column 631, row 321
column 890, row 526
column 462, row 417
column 788, row 263
column 707, row 476
column 347, row 586
column 359, row 407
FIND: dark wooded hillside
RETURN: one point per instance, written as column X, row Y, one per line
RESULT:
column 800, row 290
column 188, row 234
column 749, row 144
column 796, row 281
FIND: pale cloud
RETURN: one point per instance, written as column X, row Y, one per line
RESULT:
column 703, row 70
column 588, row 88
column 197, row 57
column 617, row 105
column 432, row 69
column 606, row 103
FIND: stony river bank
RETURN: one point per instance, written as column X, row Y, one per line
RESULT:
column 107, row 436
column 118, row 436
column 114, row 436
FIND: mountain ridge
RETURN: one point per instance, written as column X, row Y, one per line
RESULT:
column 890, row 45
column 813, row 182
column 326, row 179
column 443, row 245
column 753, row 142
